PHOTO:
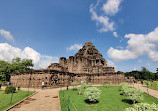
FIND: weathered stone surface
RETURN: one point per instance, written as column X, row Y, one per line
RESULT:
column 87, row 65
column 87, row 60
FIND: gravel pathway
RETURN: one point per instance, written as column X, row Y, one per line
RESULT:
column 152, row 92
column 44, row 100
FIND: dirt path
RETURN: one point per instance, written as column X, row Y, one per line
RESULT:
column 44, row 100
column 152, row 92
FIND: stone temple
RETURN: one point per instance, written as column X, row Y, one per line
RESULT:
column 88, row 65
column 88, row 60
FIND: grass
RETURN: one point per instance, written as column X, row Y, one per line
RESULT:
column 17, row 96
column 152, row 87
column 155, row 85
column 3, row 82
column 110, row 100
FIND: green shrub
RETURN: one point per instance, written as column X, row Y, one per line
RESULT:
column 83, row 85
column 133, row 94
column 123, row 85
column 123, row 88
column 92, row 94
column 9, row 89
column 107, row 84
column 74, row 84
column 143, row 107
column 90, row 84
column 80, row 91
column 155, row 83
column 147, row 83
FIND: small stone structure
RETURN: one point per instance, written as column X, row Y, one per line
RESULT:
column 87, row 65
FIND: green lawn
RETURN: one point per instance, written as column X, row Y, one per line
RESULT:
column 155, row 85
column 17, row 96
column 110, row 100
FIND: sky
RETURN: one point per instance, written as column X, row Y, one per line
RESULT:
column 124, row 31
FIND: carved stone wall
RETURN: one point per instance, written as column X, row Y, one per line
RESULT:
column 53, row 78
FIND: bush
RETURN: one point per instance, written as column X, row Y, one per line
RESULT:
column 147, row 83
column 133, row 94
column 107, row 84
column 155, row 83
column 123, row 88
column 74, row 84
column 143, row 107
column 90, row 84
column 80, row 91
column 83, row 85
column 92, row 94
column 9, row 89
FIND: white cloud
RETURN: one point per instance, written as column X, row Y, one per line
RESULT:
column 138, row 45
column 6, row 35
column 102, row 21
column 115, row 34
column 121, row 55
column 134, row 68
column 111, row 7
column 45, row 61
column 110, row 64
column 74, row 47
column 8, row 52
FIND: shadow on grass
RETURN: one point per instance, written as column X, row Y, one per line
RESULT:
column 74, row 89
column 128, row 101
column 91, row 102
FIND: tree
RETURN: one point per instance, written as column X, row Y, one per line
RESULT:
column 144, row 74
column 123, row 88
column 17, row 65
column 5, row 70
column 119, row 72
column 144, row 69
column 107, row 84
column 133, row 94
column 92, row 94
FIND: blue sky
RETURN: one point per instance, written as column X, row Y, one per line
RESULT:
column 45, row 30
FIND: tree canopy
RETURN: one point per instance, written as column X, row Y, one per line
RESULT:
column 17, row 65
column 144, row 74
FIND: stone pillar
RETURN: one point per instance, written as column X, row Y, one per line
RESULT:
column 92, row 63
column 99, row 62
